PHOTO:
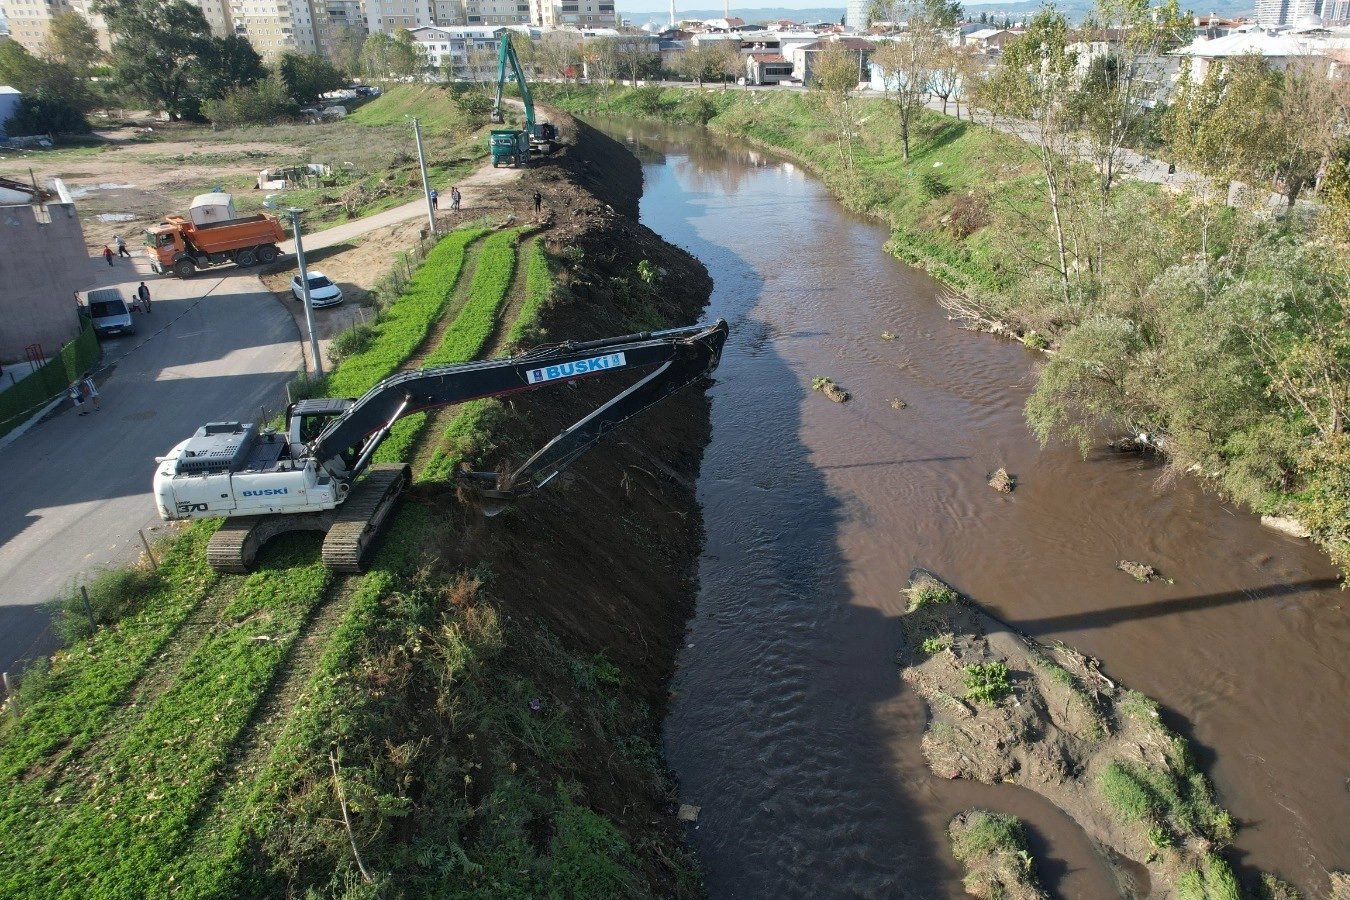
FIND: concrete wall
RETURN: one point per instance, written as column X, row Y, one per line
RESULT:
column 43, row 261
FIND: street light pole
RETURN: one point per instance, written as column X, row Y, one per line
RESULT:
column 304, row 289
column 426, row 185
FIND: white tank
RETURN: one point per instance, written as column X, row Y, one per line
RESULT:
column 208, row 209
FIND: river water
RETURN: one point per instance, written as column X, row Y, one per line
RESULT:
column 791, row 728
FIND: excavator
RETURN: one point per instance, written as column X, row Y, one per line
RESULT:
column 509, row 145
column 310, row 477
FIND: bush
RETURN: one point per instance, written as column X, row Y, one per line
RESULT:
column 264, row 102
column 929, row 590
column 968, row 216
column 113, row 595
column 351, row 342
column 38, row 116
column 932, row 187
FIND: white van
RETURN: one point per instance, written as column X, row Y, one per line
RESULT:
column 109, row 312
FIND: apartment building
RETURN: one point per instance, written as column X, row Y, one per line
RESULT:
column 574, row 13
column 29, row 20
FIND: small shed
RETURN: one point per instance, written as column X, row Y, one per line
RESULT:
column 9, row 105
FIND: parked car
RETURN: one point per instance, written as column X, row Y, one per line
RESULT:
column 322, row 291
column 109, row 313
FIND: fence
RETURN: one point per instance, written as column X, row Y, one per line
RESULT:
column 23, row 400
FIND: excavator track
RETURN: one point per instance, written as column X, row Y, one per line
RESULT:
column 235, row 545
column 357, row 522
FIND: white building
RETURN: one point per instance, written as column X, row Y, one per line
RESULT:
column 452, row 46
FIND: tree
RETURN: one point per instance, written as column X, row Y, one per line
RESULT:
column 306, row 76
column 637, row 57
column 73, row 41
column 1111, row 103
column 38, row 116
column 1033, row 84
column 833, row 84
column 345, row 53
column 157, row 44
column 51, row 82
column 394, row 56
column 558, row 56
column 224, row 64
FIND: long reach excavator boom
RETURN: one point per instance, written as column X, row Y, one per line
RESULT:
column 311, row 477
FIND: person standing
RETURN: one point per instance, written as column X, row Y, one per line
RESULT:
column 107, row 254
column 538, row 203
column 454, row 198
column 91, row 391
column 143, row 295
column 75, row 399
column 435, row 198
column 121, row 247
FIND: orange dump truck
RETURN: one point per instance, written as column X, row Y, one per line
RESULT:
column 212, row 235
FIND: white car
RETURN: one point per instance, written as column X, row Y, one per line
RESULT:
column 322, row 290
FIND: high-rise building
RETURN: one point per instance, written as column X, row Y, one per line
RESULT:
column 333, row 19
column 856, row 12
column 29, row 20
column 1287, row 12
column 275, row 27
column 388, row 16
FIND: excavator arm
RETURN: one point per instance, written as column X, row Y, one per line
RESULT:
column 677, row 357
column 507, row 56
column 309, row 478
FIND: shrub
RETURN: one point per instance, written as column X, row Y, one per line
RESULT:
column 351, row 342
column 113, row 595
column 935, row 645
column 932, row 187
column 968, row 216
column 987, row 682
column 987, row 833
column 929, row 590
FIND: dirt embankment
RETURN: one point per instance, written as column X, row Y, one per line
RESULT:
column 605, row 557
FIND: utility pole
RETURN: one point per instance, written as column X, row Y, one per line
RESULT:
column 304, row 290
column 426, row 186
column 295, row 212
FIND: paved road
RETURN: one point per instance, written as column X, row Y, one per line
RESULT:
column 77, row 488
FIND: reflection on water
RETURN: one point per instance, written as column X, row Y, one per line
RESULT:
column 791, row 728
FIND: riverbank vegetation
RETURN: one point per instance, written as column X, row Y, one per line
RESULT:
column 1191, row 312
column 993, row 849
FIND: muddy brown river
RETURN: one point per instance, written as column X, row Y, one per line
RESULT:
column 791, row 728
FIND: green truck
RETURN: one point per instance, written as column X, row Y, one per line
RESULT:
column 510, row 147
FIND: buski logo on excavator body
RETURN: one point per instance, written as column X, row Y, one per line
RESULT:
column 580, row 367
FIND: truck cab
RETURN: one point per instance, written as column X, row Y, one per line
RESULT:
column 163, row 244
column 510, row 147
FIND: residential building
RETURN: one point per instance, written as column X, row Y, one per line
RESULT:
column 989, row 40
column 275, row 27
column 576, row 13
column 803, row 58
column 388, row 16
column 43, row 257
column 29, row 20
column 452, row 48
column 333, row 20
column 1287, row 12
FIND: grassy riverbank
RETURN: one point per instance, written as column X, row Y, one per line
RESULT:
column 1217, row 332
